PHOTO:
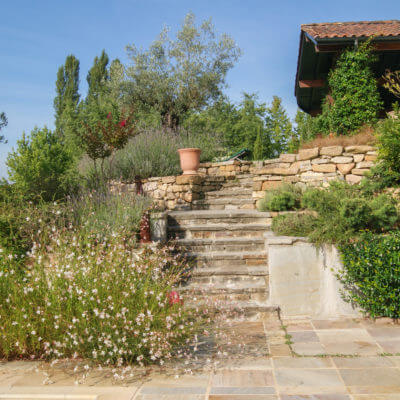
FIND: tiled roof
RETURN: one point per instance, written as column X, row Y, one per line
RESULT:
column 352, row 29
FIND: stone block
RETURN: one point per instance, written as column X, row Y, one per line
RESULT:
column 168, row 179
column 303, row 279
column 158, row 194
column 371, row 157
column 229, row 168
column 307, row 154
column 365, row 164
column 189, row 197
column 291, row 179
column 277, row 165
column 324, row 167
column 359, row 171
column 257, row 185
column 267, row 185
column 171, row 204
column 353, row 179
column 358, row 157
column 325, row 160
column 331, row 151
column 302, row 166
column 359, row 149
column 196, row 188
column 271, row 161
column 258, row 195
column 177, row 188
column 345, row 168
column 342, row 160
column 150, row 186
column 311, row 175
column 289, row 158
column 158, row 224
column 258, row 164
column 189, row 179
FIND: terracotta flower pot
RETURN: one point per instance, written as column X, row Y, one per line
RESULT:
column 190, row 160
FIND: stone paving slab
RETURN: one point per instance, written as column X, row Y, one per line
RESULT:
column 326, row 360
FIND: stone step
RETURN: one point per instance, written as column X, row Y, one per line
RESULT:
column 224, row 203
column 236, row 192
column 218, row 245
column 221, row 263
column 228, row 259
column 198, row 217
column 217, row 231
column 243, row 183
column 228, row 280
column 236, row 291
column 229, row 270
column 240, row 309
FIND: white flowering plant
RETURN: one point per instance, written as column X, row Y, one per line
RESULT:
column 94, row 299
column 84, row 290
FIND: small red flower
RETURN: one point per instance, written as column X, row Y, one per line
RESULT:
column 122, row 123
column 174, row 298
column 109, row 115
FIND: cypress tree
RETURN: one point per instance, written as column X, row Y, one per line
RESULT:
column 278, row 125
column 97, row 75
column 259, row 146
column 67, row 94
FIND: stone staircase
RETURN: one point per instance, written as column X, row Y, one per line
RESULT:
column 224, row 236
column 231, row 195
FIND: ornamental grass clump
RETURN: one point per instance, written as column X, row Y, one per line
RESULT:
column 96, row 298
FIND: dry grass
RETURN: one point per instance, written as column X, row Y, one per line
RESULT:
column 364, row 136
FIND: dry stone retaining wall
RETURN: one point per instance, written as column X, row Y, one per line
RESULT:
column 316, row 166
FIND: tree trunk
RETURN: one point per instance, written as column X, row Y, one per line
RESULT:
column 170, row 121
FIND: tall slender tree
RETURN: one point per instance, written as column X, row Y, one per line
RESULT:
column 98, row 75
column 278, row 126
column 3, row 123
column 67, row 88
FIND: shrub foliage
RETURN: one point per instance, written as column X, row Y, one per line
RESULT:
column 371, row 274
column 41, row 165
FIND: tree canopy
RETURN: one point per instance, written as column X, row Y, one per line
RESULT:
column 177, row 75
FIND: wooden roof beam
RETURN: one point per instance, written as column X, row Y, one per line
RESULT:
column 311, row 83
column 379, row 46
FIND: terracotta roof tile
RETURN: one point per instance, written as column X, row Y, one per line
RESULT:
column 352, row 29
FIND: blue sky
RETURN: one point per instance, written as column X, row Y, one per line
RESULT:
column 36, row 36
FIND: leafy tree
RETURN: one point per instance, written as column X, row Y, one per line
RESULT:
column 177, row 76
column 3, row 123
column 41, row 165
column 217, row 118
column 66, row 101
column 306, row 129
column 104, row 131
column 354, row 91
column 249, row 120
column 278, row 127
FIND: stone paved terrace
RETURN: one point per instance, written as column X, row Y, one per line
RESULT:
column 327, row 360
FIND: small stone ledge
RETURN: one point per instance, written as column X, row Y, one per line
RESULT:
column 284, row 240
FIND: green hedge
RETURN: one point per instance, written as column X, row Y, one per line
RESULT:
column 371, row 274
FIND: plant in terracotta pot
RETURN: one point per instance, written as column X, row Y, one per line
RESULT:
column 190, row 160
